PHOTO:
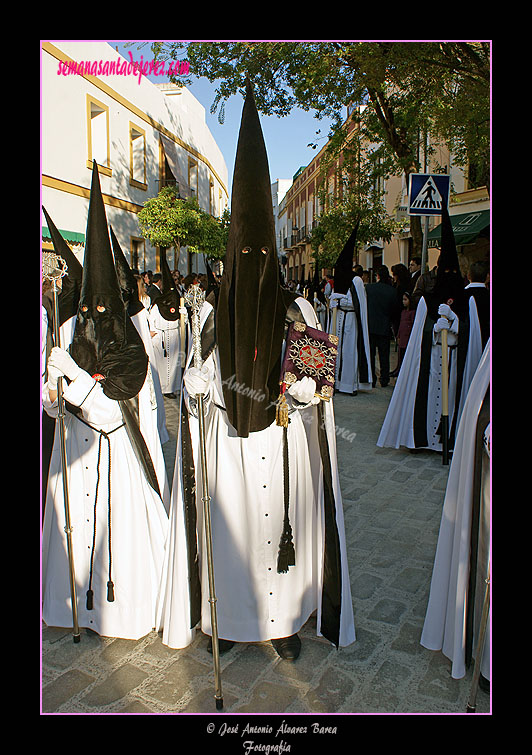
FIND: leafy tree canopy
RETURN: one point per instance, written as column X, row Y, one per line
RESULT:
column 408, row 93
column 171, row 222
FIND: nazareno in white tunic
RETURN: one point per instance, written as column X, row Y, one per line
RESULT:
column 445, row 620
column 139, row 520
column 398, row 427
column 347, row 366
column 245, row 476
column 167, row 350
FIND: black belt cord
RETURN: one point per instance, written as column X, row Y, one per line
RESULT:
column 110, row 583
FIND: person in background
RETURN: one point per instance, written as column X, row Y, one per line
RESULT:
column 414, row 267
column 383, row 308
column 408, row 314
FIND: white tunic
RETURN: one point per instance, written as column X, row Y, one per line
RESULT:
column 245, row 476
column 347, row 367
column 444, row 627
column 139, row 520
column 167, row 350
column 141, row 322
column 398, row 426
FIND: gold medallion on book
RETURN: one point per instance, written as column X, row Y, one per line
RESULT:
column 309, row 353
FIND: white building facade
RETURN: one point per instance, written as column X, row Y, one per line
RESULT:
column 279, row 188
column 142, row 136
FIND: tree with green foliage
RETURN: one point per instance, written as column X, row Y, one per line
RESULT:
column 410, row 90
column 169, row 221
column 214, row 232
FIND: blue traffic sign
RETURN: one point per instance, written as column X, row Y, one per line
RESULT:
column 427, row 192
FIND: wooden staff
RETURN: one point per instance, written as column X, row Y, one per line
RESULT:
column 194, row 298
column 334, row 318
column 54, row 268
column 444, row 397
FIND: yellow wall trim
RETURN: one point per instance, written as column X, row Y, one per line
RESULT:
column 81, row 191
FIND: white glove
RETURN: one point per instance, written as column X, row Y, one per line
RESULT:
column 198, row 380
column 334, row 300
column 62, row 364
column 183, row 311
column 445, row 311
column 53, row 376
column 441, row 324
column 303, row 391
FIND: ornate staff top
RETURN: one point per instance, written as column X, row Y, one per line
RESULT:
column 54, row 267
column 195, row 298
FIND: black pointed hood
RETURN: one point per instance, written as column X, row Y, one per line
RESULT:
column 71, row 282
column 126, row 279
column 106, row 343
column 343, row 269
column 449, row 280
column 251, row 309
column 168, row 299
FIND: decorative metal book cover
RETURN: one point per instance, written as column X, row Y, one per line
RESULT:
column 309, row 353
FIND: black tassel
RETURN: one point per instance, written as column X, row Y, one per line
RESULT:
column 110, row 592
column 287, row 554
column 90, row 604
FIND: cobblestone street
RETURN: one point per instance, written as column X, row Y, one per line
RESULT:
column 393, row 502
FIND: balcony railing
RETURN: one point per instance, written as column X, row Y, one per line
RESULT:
column 299, row 236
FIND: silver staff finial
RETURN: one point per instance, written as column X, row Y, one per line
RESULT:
column 54, row 267
column 194, row 296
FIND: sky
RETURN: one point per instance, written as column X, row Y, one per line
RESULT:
column 286, row 138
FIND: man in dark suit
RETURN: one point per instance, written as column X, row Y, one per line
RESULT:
column 383, row 307
column 414, row 267
column 155, row 289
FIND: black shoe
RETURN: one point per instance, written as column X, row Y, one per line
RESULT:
column 288, row 647
column 223, row 645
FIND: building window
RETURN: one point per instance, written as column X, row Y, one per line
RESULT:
column 138, row 254
column 137, row 157
column 98, row 135
column 193, row 177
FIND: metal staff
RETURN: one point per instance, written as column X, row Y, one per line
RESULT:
column 54, row 267
column 444, row 397
column 472, row 701
column 194, row 298
column 182, row 328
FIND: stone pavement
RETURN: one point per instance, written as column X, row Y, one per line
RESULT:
column 392, row 502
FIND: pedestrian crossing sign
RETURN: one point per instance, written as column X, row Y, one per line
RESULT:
column 427, row 192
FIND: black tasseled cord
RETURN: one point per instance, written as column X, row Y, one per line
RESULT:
column 110, row 585
column 286, row 556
